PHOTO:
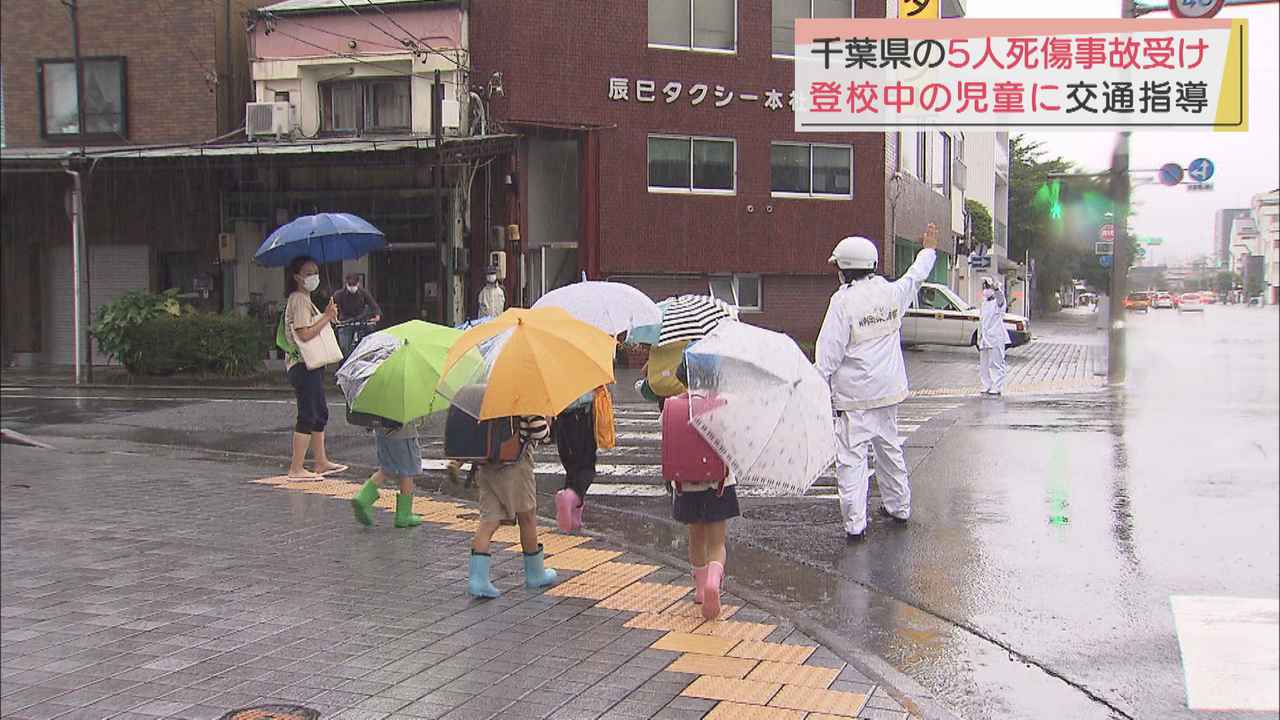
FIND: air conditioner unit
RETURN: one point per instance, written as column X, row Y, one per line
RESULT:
column 451, row 115
column 268, row 118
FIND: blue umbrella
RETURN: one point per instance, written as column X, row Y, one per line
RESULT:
column 326, row 237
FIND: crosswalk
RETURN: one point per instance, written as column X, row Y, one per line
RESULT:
column 634, row 467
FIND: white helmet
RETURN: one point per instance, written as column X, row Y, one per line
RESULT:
column 988, row 282
column 855, row 253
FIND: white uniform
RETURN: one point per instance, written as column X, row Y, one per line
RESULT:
column 860, row 354
column 493, row 300
column 992, row 338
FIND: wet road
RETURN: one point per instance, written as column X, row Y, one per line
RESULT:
column 1048, row 534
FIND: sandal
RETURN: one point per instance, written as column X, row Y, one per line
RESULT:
column 338, row 468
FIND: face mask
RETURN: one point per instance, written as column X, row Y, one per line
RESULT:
column 491, row 278
column 311, row 282
column 988, row 293
column 352, row 288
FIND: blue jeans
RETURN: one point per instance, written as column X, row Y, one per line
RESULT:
column 346, row 338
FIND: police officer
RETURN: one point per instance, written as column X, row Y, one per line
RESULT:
column 993, row 336
column 860, row 354
column 493, row 299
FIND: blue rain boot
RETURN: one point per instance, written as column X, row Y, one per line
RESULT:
column 478, row 582
column 535, row 575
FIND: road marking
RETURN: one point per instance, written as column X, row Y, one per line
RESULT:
column 1230, row 651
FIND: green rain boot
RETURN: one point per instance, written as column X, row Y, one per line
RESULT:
column 362, row 503
column 405, row 518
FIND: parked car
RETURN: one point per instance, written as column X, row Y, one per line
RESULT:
column 939, row 317
column 1191, row 302
column 1138, row 302
column 1208, row 297
column 1163, row 301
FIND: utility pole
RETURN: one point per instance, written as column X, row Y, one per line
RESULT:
column 77, row 207
column 1118, row 190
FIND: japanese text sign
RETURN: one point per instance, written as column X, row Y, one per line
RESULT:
column 919, row 9
column 1094, row 74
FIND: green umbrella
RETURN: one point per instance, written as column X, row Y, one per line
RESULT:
column 393, row 373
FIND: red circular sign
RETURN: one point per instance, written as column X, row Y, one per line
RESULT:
column 1195, row 9
column 1107, row 233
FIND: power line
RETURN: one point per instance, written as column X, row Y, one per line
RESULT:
column 409, row 41
column 350, row 56
column 319, row 29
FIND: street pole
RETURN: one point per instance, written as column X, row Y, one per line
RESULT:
column 1118, row 190
column 77, row 201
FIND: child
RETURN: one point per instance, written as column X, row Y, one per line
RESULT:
column 399, row 458
column 576, row 443
column 507, row 490
column 706, row 511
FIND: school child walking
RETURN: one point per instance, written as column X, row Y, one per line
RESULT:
column 507, row 490
column 400, row 461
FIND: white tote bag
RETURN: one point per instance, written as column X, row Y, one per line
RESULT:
column 320, row 350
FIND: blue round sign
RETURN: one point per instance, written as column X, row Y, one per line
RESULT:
column 1170, row 174
column 1104, row 261
column 1200, row 169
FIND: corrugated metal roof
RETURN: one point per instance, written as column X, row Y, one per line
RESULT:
column 303, row 6
column 55, row 154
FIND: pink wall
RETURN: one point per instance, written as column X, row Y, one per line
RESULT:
column 439, row 27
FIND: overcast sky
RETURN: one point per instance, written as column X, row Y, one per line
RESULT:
column 1246, row 163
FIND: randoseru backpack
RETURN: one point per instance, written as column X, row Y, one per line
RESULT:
column 480, row 441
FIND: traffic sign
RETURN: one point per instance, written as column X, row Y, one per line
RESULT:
column 1170, row 174
column 1141, row 252
column 1200, row 170
column 1153, row 241
column 979, row 261
column 1104, row 248
column 1195, row 8
column 1107, row 233
column 1104, row 261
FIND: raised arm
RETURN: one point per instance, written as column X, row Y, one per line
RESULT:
column 909, row 284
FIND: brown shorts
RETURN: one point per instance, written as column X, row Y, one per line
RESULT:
column 506, row 489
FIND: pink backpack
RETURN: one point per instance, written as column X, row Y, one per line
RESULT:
column 687, row 458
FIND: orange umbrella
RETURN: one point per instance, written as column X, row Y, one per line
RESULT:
column 526, row 362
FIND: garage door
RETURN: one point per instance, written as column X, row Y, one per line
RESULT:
column 114, row 270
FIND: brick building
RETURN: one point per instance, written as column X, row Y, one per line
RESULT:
column 156, row 72
column 658, row 148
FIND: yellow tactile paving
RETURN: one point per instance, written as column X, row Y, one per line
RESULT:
column 696, row 664
column 741, row 691
column 819, row 700
column 789, row 674
column 602, row 581
column 581, row 558
column 506, row 534
column 726, row 710
column 555, row 544
column 663, row 621
column 468, row 526
column 776, row 652
column 690, row 643
column 735, row 630
column 826, row 716
column 688, row 608
column 644, row 597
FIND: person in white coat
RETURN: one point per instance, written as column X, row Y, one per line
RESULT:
column 993, row 336
column 493, row 299
column 859, row 353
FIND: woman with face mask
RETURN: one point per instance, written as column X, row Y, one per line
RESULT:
column 992, row 339
column 303, row 321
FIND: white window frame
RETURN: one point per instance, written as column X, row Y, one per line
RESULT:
column 735, row 280
column 853, row 13
column 695, row 48
column 691, row 190
column 942, row 185
column 811, row 195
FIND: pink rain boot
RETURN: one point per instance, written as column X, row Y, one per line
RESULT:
column 699, row 577
column 577, row 513
column 566, row 503
column 711, row 590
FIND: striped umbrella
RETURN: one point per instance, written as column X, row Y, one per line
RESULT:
column 691, row 317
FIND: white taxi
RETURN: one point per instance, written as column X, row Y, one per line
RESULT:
column 940, row 317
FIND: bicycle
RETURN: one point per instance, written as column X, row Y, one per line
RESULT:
column 351, row 332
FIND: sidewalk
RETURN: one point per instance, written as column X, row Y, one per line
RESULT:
column 186, row 586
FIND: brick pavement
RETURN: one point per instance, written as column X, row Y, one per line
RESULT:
column 136, row 585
